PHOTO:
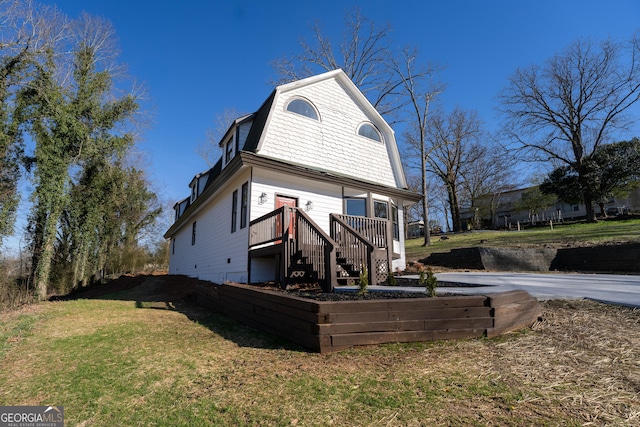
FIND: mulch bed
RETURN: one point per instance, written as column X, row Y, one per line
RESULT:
column 355, row 295
column 176, row 288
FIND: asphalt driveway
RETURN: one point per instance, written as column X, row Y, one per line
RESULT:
column 609, row 288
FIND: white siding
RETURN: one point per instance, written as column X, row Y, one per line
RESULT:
column 326, row 198
column 218, row 255
column 331, row 143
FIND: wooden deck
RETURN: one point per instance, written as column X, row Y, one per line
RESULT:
column 331, row 326
column 305, row 252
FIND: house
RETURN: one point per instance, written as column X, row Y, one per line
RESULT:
column 308, row 188
column 508, row 211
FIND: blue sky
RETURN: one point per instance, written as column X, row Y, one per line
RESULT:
column 197, row 58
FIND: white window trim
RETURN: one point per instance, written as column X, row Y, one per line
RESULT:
column 301, row 98
column 366, row 137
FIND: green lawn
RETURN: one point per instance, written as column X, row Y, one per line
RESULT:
column 125, row 361
column 581, row 234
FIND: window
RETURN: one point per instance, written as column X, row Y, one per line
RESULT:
column 244, row 205
column 173, row 245
column 302, row 107
column 394, row 222
column 234, row 211
column 369, row 131
column 193, row 233
column 380, row 209
column 193, row 192
column 356, row 207
column 228, row 150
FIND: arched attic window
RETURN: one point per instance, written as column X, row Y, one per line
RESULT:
column 303, row 107
column 369, row 131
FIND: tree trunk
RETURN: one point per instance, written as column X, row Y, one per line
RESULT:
column 425, row 200
column 42, row 269
column 456, row 223
column 587, row 195
column 603, row 212
column 591, row 212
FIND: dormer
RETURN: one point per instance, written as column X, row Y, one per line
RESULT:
column 229, row 148
column 233, row 140
column 180, row 207
column 202, row 182
column 197, row 185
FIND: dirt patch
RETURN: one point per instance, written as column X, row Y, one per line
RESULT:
column 163, row 287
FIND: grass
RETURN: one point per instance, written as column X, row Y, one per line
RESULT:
column 576, row 234
column 123, row 360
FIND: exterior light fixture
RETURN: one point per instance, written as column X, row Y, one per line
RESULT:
column 262, row 199
column 308, row 205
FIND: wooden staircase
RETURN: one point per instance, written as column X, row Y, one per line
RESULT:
column 307, row 254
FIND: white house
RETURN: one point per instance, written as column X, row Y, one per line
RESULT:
column 309, row 187
column 509, row 212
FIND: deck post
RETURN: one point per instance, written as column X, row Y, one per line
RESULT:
column 330, row 272
column 390, row 240
column 286, row 255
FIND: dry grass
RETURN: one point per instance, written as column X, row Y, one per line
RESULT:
column 583, row 356
column 108, row 361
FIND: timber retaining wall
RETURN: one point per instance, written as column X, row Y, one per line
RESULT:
column 326, row 326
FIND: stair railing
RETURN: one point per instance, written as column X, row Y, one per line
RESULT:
column 307, row 239
column 317, row 247
column 354, row 246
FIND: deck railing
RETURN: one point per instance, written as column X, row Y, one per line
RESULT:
column 375, row 230
column 268, row 228
column 362, row 242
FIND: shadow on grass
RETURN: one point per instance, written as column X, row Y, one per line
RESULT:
column 175, row 293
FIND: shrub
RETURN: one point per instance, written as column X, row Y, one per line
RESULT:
column 391, row 279
column 363, row 281
column 429, row 281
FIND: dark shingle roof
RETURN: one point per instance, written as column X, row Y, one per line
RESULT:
column 260, row 119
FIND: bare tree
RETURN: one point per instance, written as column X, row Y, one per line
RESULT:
column 453, row 143
column 363, row 55
column 393, row 81
column 489, row 175
column 421, row 89
column 562, row 112
column 209, row 150
column 435, row 195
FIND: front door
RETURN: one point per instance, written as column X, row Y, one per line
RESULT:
column 292, row 202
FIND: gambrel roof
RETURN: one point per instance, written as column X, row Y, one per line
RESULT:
column 340, row 100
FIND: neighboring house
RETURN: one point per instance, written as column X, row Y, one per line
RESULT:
column 309, row 188
column 509, row 214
